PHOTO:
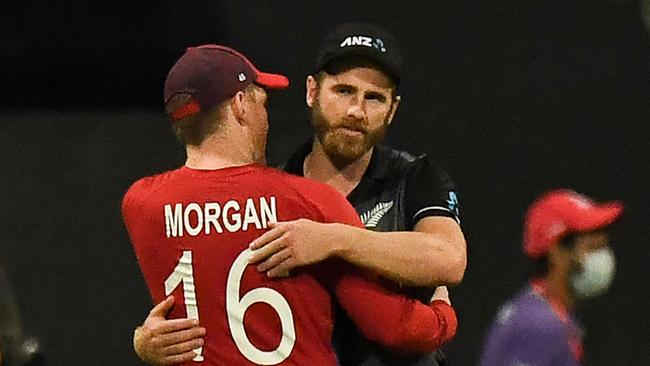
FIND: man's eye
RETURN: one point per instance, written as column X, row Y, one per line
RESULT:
column 376, row 97
column 343, row 91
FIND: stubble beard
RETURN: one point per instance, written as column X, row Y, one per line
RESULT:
column 343, row 149
column 259, row 149
column 258, row 144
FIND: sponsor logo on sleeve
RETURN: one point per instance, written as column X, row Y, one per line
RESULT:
column 452, row 203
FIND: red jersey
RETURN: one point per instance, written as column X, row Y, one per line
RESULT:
column 191, row 229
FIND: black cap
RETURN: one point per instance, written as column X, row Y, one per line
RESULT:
column 359, row 39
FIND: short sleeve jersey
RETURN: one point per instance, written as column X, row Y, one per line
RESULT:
column 396, row 191
column 190, row 230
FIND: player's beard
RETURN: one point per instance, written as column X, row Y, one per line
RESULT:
column 258, row 145
column 259, row 153
column 341, row 148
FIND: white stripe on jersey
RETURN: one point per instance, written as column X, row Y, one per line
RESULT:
column 438, row 208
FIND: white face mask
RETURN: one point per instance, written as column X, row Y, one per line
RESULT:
column 597, row 273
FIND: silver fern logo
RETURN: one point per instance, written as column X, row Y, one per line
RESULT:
column 372, row 217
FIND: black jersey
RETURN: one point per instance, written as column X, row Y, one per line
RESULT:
column 396, row 191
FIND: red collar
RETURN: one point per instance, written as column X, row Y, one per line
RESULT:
column 541, row 288
column 573, row 334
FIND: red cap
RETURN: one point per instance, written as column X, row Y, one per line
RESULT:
column 561, row 212
column 211, row 74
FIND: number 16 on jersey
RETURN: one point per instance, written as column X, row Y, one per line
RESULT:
column 236, row 308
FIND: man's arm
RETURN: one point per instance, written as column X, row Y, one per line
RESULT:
column 391, row 319
column 432, row 255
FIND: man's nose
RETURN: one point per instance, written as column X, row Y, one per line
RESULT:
column 357, row 109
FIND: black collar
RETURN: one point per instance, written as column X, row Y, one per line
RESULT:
column 297, row 159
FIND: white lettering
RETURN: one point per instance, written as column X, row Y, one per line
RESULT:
column 173, row 223
column 212, row 217
column 193, row 207
column 230, row 226
column 212, row 212
column 268, row 211
column 356, row 41
column 250, row 215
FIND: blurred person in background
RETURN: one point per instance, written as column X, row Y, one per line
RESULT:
column 16, row 349
column 566, row 240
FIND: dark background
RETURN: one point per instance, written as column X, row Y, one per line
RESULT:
column 511, row 97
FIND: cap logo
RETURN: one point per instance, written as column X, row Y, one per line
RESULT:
column 580, row 201
column 554, row 229
column 241, row 77
column 379, row 44
column 363, row 41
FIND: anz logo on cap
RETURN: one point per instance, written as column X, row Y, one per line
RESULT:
column 363, row 41
column 241, row 76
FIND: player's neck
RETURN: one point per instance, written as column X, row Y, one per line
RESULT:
column 318, row 166
column 557, row 289
column 215, row 154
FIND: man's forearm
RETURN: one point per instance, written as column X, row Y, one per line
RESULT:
column 409, row 258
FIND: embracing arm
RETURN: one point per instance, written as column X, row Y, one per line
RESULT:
column 394, row 320
column 159, row 341
column 432, row 255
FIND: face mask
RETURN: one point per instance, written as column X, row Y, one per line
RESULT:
column 597, row 272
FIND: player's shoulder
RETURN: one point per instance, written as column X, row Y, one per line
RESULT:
column 401, row 162
column 394, row 159
column 320, row 201
column 141, row 189
column 307, row 187
column 529, row 313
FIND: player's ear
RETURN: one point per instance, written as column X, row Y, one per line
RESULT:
column 393, row 107
column 238, row 105
column 311, row 85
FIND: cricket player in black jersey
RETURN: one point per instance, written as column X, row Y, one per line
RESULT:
column 408, row 203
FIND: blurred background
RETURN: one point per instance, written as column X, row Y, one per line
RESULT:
column 510, row 97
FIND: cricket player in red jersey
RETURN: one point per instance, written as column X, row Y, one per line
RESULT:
column 191, row 228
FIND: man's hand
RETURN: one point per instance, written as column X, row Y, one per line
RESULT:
column 441, row 293
column 167, row 342
column 292, row 244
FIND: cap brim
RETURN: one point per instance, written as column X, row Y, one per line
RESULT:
column 272, row 81
column 364, row 52
column 600, row 217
